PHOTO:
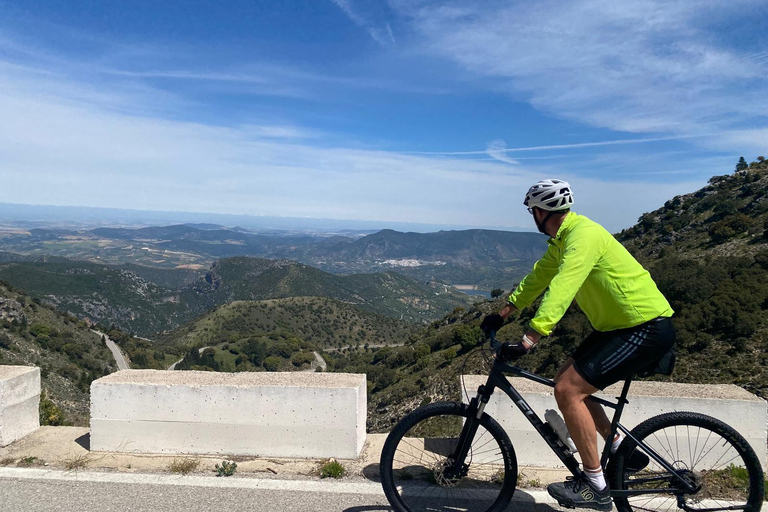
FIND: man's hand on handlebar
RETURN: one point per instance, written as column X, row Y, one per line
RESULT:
column 491, row 323
column 513, row 351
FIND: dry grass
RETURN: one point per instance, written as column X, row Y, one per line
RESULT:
column 184, row 466
column 77, row 462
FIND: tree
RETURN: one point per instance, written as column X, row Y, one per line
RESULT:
column 273, row 363
column 741, row 165
column 496, row 292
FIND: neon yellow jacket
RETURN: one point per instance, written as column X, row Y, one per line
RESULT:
column 585, row 262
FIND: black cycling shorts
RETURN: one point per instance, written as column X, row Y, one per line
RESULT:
column 605, row 358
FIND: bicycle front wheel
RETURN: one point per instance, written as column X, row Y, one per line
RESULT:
column 417, row 455
column 713, row 457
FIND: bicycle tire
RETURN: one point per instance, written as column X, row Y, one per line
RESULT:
column 416, row 451
column 708, row 452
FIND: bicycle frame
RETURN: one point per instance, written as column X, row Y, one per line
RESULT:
column 497, row 379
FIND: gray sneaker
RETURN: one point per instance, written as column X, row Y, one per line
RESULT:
column 577, row 493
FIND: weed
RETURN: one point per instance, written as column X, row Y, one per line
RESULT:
column 332, row 469
column 227, row 468
column 28, row 461
column 183, row 466
column 77, row 462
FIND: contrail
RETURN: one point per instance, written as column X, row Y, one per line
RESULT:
column 557, row 146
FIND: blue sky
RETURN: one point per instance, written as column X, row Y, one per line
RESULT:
column 428, row 112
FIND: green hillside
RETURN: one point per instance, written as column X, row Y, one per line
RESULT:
column 150, row 300
column 101, row 293
column 727, row 218
column 68, row 353
column 325, row 323
column 278, row 334
column 386, row 293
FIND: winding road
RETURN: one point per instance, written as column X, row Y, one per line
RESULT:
column 116, row 353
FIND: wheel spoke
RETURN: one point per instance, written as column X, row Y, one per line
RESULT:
column 420, row 477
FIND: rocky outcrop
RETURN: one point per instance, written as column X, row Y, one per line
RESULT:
column 11, row 309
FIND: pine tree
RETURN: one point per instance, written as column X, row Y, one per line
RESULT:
column 741, row 165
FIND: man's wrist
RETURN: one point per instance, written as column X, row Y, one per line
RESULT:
column 528, row 343
column 531, row 338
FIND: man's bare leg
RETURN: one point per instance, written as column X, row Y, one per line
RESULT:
column 571, row 392
column 602, row 423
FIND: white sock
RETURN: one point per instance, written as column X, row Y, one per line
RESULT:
column 618, row 438
column 596, row 478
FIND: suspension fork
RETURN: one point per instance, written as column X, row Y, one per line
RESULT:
column 468, row 431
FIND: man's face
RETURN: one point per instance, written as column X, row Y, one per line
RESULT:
column 538, row 217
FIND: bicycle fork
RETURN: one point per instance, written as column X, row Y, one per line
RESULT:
column 468, row 431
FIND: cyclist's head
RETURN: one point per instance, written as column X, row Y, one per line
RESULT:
column 549, row 195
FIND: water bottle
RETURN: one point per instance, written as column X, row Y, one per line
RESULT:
column 558, row 425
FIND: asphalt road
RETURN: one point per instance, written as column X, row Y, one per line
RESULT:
column 35, row 490
column 118, row 355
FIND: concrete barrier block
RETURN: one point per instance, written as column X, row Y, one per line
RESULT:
column 19, row 402
column 266, row 414
column 743, row 411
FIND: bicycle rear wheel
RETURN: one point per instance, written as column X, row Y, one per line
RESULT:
column 716, row 459
column 418, row 451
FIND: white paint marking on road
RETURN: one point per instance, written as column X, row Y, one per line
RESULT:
column 325, row 486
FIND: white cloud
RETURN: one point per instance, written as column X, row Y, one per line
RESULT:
column 379, row 31
column 56, row 151
column 632, row 66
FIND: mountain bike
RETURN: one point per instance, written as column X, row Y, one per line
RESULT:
column 450, row 456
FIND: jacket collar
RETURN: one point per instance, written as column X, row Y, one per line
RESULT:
column 563, row 229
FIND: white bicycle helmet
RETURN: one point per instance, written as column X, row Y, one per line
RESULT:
column 550, row 195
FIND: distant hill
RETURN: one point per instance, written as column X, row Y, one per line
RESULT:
column 486, row 258
column 385, row 293
column 146, row 301
column 69, row 355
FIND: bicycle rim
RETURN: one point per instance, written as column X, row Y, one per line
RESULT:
column 709, row 454
column 417, row 458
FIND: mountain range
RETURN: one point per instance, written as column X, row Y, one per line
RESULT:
column 484, row 258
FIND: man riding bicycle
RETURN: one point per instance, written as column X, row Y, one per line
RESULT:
column 630, row 316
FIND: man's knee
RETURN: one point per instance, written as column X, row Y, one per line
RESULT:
column 564, row 394
column 572, row 388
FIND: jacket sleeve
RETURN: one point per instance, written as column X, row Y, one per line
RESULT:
column 537, row 281
column 580, row 255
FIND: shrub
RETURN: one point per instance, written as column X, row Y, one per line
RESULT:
column 301, row 358
column 273, row 363
column 332, row 469
column 50, row 414
column 183, row 466
column 227, row 468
